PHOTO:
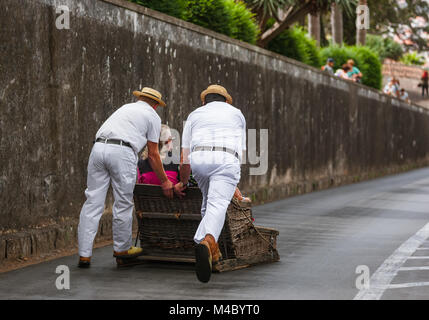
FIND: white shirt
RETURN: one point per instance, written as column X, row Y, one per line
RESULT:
column 390, row 89
column 135, row 123
column 216, row 124
column 403, row 96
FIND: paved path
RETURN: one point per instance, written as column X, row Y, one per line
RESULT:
column 324, row 236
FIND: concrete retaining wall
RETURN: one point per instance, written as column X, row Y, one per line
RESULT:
column 58, row 86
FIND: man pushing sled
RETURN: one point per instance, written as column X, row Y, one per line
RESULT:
column 213, row 140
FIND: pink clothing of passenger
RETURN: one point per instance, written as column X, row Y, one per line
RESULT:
column 151, row 178
column 147, row 176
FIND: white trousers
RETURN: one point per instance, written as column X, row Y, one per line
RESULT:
column 217, row 174
column 108, row 163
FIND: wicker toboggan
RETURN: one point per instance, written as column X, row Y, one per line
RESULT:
column 166, row 229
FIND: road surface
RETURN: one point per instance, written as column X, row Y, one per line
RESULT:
column 380, row 226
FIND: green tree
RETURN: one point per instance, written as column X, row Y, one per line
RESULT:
column 390, row 17
column 384, row 47
column 286, row 13
column 243, row 24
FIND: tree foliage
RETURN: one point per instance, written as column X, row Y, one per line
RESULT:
column 210, row 14
column 412, row 58
column 388, row 17
column 243, row 24
column 384, row 47
column 295, row 43
column 230, row 17
column 287, row 12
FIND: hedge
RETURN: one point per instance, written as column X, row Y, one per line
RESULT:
column 412, row 58
column 210, row 14
column 365, row 59
column 296, row 44
column 229, row 17
column 243, row 24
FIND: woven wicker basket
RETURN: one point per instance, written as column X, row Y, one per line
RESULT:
column 167, row 227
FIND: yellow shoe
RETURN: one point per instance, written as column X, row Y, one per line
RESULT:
column 132, row 252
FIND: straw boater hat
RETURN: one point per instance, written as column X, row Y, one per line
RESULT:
column 150, row 93
column 214, row 88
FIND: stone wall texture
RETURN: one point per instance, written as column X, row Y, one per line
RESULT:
column 398, row 70
column 57, row 86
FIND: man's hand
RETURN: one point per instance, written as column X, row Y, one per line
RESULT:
column 246, row 199
column 178, row 189
column 167, row 188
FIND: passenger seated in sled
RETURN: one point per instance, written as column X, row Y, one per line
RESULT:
column 146, row 175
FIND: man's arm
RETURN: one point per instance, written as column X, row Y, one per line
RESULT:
column 156, row 164
column 185, row 166
column 185, row 172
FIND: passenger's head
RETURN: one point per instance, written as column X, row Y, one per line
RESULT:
column 330, row 62
column 165, row 144
column 165, row 141
column 351, row 62
column 346, row 67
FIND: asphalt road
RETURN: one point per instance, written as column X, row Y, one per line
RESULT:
column 324, row 236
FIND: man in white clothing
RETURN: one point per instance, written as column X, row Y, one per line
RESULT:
column 214, row 138
column 113, row 160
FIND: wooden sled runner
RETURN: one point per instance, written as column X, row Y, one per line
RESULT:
column 167, row 228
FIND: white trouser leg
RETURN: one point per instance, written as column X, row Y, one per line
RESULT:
column 97, row 185
column 203, row 184
column 218, row 198
column 217, row 181
column 123, row 172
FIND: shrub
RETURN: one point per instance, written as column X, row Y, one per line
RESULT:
column 413, row 59
column 366, row 61
column 175, row 8
column 384, row 47
column 369, row 64
column 243, row 25
column 210, row 14
column 229, row 17
column 294, row 43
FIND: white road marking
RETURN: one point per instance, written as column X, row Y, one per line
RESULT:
column 414, row 268
column 408, row 285
column 423, row 248
column 418, row 257
column 384, row 275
